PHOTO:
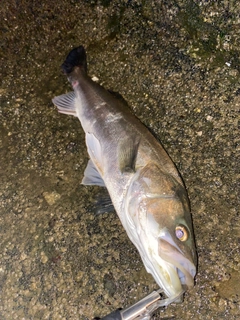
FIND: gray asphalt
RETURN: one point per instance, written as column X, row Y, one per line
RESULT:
column 177, row 65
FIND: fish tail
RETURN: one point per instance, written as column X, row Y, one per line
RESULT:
column 76, row 58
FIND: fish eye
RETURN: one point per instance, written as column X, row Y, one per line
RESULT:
column 181, row 233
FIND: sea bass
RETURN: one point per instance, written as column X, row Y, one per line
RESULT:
column 144, row 185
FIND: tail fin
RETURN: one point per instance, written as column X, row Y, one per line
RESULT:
column 76, row 57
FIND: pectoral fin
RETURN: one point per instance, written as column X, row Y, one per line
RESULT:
column 92, row 176
column 95, row 151
column 127, row 154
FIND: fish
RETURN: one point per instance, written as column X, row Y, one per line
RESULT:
column 143, row 183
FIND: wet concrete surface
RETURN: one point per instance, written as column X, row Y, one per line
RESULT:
column 177, row 65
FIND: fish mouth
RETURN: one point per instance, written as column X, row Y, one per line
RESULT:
column 179, row 268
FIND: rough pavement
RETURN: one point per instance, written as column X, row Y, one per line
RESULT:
column 177, row 65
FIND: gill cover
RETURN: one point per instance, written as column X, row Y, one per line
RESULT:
column 155, row 204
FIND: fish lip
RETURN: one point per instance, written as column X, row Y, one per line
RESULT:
column 171, row 253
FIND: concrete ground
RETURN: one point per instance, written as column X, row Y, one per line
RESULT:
column 177, row 65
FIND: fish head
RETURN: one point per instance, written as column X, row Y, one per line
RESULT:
column 158, row 220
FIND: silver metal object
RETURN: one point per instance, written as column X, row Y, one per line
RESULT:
column 144, row 309
column 141, row 307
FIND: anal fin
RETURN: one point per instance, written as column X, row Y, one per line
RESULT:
column 66, row 103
